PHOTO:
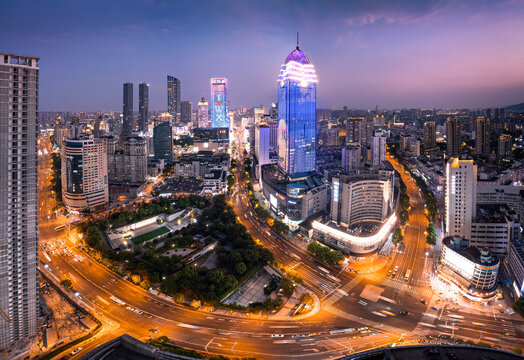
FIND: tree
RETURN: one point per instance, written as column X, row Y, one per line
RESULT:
column 178, row 298
column 518, row 306
column 240, row 268
column 67, row 283
column 431, row 235
column 397, row 237
column 307, row 299
column 287, row 287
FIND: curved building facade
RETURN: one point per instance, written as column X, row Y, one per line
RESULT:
column 362, row 213
column 84, row 174
column 472, row 270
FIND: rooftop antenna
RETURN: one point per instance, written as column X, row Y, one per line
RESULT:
column 297, row 42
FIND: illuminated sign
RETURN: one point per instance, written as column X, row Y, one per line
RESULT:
column 273, row 201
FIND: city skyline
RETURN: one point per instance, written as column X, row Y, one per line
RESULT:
column 366, row 54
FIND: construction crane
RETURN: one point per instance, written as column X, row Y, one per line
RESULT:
column 4, row 315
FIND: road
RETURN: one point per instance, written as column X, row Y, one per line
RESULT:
column 217, row 332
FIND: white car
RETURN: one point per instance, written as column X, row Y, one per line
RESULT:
column 76, row 351
column 277, row 335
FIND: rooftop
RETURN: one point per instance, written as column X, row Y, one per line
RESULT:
column 298, row 56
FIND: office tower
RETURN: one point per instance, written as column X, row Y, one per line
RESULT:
column 297, row 99
column 460, row 196
column 173, row 98
column 353, row 126
column 163, row 142
column 351, row 157
column 453, row 130
column 430, row 135
column 19, row 194
column 378, row 148
column 505, row 146
column 84, row 173
column 186, row 108
column 203, row 114
column 262, row 148
column 219, row 118
column 143, row 106
column 127, row 111
column 129, row 165
column 483, row 135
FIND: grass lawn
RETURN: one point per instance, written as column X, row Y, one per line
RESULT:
column 150, row 235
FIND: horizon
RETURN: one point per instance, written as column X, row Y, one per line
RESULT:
column 425, row 54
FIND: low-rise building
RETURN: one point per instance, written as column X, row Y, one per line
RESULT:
column 215, row 182
column 513, row 196
column 200, row 164
column 495, row 227
column 294, row 200
column 472, row 270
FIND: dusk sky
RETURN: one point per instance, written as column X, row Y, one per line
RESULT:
column 392, row 54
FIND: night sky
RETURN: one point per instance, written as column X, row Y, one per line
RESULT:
column 392, row 54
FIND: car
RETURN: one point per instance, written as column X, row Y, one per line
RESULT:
column 435, row 308
column 403, row 312
column 76, row 351
column 277, row 335
column 154, row 331
column 389, row 273
column 423, row 301
column 396, row 268
column 149, row 316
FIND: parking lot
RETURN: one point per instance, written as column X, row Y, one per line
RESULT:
column 178, row 184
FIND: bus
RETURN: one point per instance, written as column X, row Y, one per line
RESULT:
column 387, row 312
column 408, row 275
column 59, row 228
column 117, row 300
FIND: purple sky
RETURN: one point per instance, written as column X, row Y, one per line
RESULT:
column 408, row 54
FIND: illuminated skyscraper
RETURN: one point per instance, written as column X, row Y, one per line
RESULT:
column 143, row 106
column 297, row 94
column 483, row 135
column 127, row 110
column 203, row 114
column 219, row 118
column 173, row 98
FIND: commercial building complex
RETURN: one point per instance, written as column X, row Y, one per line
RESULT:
column 297, row 88
column 362, row 213
column 84, row 173
column 474, row 271
column 219, row 118
column 19, row 76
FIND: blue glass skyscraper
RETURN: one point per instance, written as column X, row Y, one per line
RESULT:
column 219, row 118
column 297, row 89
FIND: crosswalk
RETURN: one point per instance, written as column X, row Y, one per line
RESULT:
column 399, row 285
column 334, row 296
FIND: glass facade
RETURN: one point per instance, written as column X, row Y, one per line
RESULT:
column 297, row 89
column 219, row 118
column 163, row 142
column 173, row 98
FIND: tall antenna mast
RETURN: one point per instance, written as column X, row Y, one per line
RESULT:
column 297, row 42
